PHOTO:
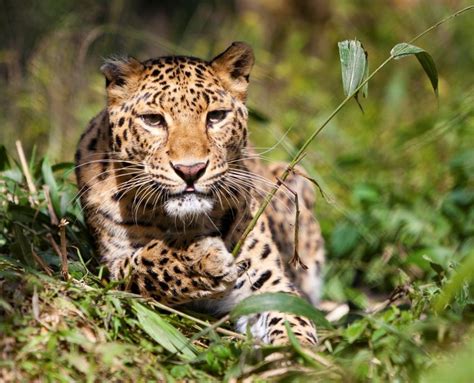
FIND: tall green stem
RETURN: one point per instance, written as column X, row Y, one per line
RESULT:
column 299, row 155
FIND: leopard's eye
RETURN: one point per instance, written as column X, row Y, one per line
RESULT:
column 216, row 116
column 154, row 120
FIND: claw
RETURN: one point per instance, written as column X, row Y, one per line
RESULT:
column 243, row 266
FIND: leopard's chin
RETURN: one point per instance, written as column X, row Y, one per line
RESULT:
column 188, row 205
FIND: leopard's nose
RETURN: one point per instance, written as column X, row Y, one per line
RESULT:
column 190, row 173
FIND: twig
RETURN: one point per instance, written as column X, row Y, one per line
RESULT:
column 442, row 21
column 26, row 172
column 57, row 250
column 212, row 327
column 295, row 259
column 52, row 214
column 397, row 294
column 318, row 358
column 275, row 359
column 264, row 204
column 62, row 233
column 156, row 304
column 221, row 330
column 301, row 152
column 40, row 261
column 315, row 183
column 35, row 305
column 278, row 372
column 216, row 327
column 54, row 245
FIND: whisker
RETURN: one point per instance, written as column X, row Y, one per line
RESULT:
column 139, row 197
column 224, row 195
column 245, row 185
column 215, row 191
column 249, row 173
column 145, row 194
column 89, row 186
column 274, row 146
column 252, row 157
column 212, row 223
column 258, row 178
column 230, row 194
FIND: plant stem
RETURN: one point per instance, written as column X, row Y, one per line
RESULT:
column 299, row 155
column 214, row 326
column 297, row 158
column 442, row 21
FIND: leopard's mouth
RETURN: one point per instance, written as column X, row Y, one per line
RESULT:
column 188, row 204
column 190, row 191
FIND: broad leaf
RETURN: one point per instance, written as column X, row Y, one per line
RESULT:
column 355, row 331
column 403, row 49
column 281, row 302
column 354, row 67
column 164, row 333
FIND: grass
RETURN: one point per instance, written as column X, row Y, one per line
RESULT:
column 398, row 221
column 71, row 324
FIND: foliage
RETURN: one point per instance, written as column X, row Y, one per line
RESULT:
column 93, row 331
column 398, row 220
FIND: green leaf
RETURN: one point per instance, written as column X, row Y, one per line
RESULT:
column 403, row 49
column 377, row 334
column 281, row 302
column 354, row 67
column 48, row 176
column 355, row 331
column 163, row 333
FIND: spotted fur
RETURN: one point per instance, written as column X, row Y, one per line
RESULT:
column 168, row 185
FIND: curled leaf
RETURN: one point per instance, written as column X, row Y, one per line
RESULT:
column 424, row 58
column 354, row 67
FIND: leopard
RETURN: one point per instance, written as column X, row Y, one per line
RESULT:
column 169, row 181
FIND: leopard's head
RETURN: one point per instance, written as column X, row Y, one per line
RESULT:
column 180, row 122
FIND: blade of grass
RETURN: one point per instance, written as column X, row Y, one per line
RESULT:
column 163, row 333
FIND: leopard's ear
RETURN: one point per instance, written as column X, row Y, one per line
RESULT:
column 121, row 77
column 233, row 67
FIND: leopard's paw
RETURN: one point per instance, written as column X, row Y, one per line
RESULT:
column 215, row 269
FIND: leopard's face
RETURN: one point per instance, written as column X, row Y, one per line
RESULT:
column 178, row 123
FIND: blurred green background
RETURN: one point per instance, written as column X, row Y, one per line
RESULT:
column 399, row 178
